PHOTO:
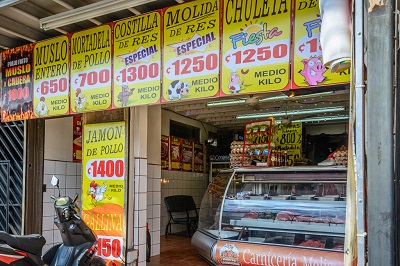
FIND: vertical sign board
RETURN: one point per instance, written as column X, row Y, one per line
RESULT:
column 198, row 158
column 51, row 77
column 176, row 153
column 164, row 152
column 191, row 51
column 137, row 60
column 187, row 155
column 307, row 67
column 255, row 46
column 290, row 139
column 17, row 83
column 77, row 138
column 91, row 69
column 103, row 199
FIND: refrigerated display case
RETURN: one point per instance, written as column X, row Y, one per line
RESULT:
column 274, row 216
column 215, row 167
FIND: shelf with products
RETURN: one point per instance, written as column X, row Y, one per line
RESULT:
column 297, row 210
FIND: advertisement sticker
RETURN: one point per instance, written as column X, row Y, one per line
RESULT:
column 255, row 46
column 191, row 50
column 246, row 254
column 103, row 191
column 51, row 77
column 176, row 153
column 187, row 155
column 308, row 69
column 198, row 158
column 137, row 60
column 91, row 69
column 164, row 152
column 77, row 138
column 17, row 83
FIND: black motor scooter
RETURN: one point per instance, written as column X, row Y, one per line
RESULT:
column 78, row 247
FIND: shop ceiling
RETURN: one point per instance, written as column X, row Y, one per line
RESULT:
column 25, row 21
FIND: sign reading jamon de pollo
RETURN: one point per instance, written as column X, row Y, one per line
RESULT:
column 91, row 69
column 191, row 50
column 307, row 67
column 17, row 83
column 51, row 77
column 137, row 60
column 256, row 46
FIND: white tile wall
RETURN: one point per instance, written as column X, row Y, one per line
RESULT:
column 69, row 174
column 180, row 183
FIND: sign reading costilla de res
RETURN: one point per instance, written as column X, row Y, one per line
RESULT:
column 91, row 62
column 255, row 46
column 137, row 60
column 103, row 187
column 51, row 77
column 17, row 83
column 191, row 50
column 307, row 67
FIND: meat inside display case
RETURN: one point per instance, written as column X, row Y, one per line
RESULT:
column 300, row 210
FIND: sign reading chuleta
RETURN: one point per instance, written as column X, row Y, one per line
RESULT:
column 103, row 195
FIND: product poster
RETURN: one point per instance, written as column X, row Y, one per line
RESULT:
column 77, row 138
column 164, row 152
column 198, row 158
column 255, row 46
column 103, row 191
column 91, row 69
column 17, row 83
column 176, row 153
column 187, row 155
column 308, row 69
column 137, row 60
column 51, row 77
column 290, row 138
column 245, row 254
column 191, row 50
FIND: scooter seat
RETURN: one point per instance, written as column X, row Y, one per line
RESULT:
column 30, row 243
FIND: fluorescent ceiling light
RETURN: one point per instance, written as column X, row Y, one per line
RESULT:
column 89, row 11
column 225, row 102
column 298, row 112
column 320, row 119
column 6, row 3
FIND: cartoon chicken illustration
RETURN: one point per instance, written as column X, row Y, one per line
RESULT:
column 42, row 109
column 97, row 192
column 80, row 100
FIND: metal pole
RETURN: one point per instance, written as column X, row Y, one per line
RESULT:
column 359, row 127
column 379, row 135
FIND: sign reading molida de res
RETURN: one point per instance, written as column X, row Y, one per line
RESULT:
column 191, row 50
column 103, row 197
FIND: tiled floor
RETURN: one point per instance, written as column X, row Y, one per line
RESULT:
column 176, row 250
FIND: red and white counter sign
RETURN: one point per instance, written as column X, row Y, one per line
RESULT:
column 103, row 195
column 51, row 77
column 137, row 60
column 248, row 254
column 307, row 67
column 91, row 69
column 191, row 50
column 255, row 46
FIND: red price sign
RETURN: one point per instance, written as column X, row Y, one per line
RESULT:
column 92, row 79
column 139, row 73
column 310, row 46
column 109, row 247
column 54, row 87
column 193, row 65
column 18, row 94
column 106, row 169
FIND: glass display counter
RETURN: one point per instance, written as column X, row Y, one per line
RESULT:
column 274, row 216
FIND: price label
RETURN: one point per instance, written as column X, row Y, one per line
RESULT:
column 18, row 94
column 193, row 65
column 52, row 87
column 266, row 54
column 92, row 79
column 109, row 247
column 105, row 169
column 306, row 47
column 292, row 155
column 131, row 74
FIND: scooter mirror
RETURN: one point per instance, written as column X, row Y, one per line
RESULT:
column 54, row 181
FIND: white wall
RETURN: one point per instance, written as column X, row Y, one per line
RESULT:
column 58, row 139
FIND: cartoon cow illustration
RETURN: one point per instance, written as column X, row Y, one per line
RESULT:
column 177, row 89
column 124, row 95
column 313, row 70
column 42, row 109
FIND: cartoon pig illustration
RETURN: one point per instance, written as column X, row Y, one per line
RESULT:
column 313, row 70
